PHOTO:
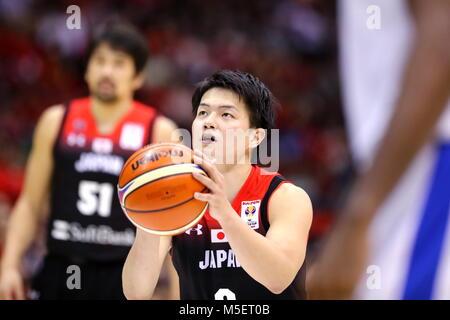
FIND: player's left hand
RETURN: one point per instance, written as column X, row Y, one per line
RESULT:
column 341, row 262
column 217, row 199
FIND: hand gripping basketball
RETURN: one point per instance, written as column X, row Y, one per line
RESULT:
column 156, row 189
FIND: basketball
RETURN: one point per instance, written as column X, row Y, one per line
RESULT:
column 156, row 189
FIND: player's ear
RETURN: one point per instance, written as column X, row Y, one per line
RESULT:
column 257, row 137
column 85, row 75
column 87, row 70
column 138, row 80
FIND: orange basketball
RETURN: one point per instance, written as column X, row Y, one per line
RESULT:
column 156, row 189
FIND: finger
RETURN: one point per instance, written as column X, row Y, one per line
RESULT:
column 316, row 283
column 207, row 182
column 19, row 292
column 311, row 281
column 210, row 169
column 202, row 155
column 7, row 294
column 314, row 289
column 210, row 165
column 203, row 159
column 202, row 196
column 3, row 294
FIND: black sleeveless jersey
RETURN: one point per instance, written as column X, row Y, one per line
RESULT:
column 86, row 220
column 205, row 262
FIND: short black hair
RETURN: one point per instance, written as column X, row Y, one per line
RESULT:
column 257, row 97
column 122, row 36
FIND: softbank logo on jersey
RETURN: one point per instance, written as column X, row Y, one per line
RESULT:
column 219, row 259
column 95, row 234
column 132, row 136
column 94, row 162
column 250, row 213
column 197, row 230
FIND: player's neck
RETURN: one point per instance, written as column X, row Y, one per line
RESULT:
column 107, row 114
column 235, row 177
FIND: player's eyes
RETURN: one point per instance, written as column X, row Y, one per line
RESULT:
column 119, row 63
column 100, row 60
column 227, row 115
column 201, row 113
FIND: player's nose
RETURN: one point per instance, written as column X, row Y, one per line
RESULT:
column 210, row 122
column 107, row 70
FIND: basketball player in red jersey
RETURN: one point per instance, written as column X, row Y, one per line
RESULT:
column 78, row 152
column 251, row 242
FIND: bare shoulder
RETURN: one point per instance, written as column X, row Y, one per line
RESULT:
column 290, row 198
column 292, row 193
column 163, row 129
column 49, row 123
column 52, row 116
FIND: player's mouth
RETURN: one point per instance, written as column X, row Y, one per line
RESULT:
column 106, row 85
column 208, row 138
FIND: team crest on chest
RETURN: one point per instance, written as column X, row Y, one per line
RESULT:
column 250, row 213
column 79, row 125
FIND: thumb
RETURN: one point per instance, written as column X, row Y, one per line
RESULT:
column 18, row 291
column 312, row 282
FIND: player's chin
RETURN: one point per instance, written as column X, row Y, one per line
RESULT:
column 107, row 97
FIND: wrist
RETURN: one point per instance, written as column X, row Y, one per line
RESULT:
column 227, row 216
column 8, row 264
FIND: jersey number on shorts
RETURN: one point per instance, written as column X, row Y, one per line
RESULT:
column 95, row 197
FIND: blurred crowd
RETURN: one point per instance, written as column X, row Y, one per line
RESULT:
column 289, row 44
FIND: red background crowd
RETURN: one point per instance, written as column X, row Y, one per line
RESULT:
column 289, row 44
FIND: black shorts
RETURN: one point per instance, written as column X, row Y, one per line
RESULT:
column 85, row 280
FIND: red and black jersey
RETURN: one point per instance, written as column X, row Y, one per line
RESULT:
column 205, row 262
column 86, row 220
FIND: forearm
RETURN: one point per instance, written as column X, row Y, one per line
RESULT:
column 257, row 255
column 20, row 233
column 425, row 91
column 142, row 267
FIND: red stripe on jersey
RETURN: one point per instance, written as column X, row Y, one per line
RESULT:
column 254, row 188
column 80, row 127
column 270, row 197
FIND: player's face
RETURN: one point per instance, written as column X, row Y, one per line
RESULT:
column 111, row 74
column 221, row 128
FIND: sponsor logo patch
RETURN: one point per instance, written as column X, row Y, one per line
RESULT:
column 197, row 230
column 250, row 213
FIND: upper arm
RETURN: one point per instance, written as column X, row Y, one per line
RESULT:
column 290, row 220
column 163, row 130
column 40, row 161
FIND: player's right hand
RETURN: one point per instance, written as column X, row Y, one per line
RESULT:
column 11, row 285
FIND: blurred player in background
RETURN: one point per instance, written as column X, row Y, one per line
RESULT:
column 251, row 242
column 393, row 239
column 77, row 154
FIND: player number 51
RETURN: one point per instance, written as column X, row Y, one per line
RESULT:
column 95, row 197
